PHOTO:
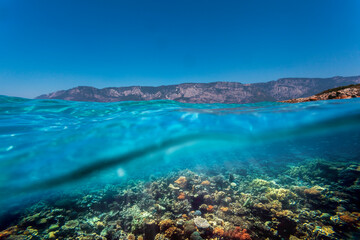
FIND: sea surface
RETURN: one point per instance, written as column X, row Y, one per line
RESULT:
column 52, row 150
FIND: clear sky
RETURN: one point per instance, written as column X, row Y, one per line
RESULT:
column 51, row 45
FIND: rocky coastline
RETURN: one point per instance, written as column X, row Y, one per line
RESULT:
column 345, row 92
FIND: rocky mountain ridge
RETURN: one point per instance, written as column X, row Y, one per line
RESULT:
column 215, row 92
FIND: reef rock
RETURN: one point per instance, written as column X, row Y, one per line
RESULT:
column 201, row 222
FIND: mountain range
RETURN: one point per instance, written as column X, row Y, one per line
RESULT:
column 215, row 92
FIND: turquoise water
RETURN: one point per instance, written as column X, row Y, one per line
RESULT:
column 50, row 147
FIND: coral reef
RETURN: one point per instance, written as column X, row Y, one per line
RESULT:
column 312, row 200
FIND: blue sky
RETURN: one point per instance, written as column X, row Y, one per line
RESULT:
column 51, row 45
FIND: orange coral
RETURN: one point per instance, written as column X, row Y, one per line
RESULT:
column 224, row 209
column 181, row 196
column 206, row 182
column 184, row 216
column 357, row 214
column 181, row 181
column 349, row 218
column 312, row 192
column 173, row 233
column 237, row 233
column 165, row 224
column 218, row 231
column 210, row 208
column 131, row 237
column 6, row 233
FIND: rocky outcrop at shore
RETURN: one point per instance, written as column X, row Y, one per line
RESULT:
column 350, row 91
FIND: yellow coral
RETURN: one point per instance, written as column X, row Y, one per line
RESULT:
column 99, row 224
column 131, row 237
column 280, row 194
column 52, row 235
column 285, row 213
column 274, row 206
column 324, row 230
column 31, row 231
column 260, row 183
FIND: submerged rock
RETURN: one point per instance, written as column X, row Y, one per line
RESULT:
column 196, row 236
column 151, row 229
column 201, row 223
column 189, row 228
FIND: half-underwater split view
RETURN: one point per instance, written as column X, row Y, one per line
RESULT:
column 194, row 120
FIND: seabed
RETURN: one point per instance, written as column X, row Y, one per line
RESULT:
column 316, row 199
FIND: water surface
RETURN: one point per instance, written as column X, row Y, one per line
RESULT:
column 52, row 149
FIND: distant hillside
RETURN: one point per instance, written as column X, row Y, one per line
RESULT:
column 343, row 92
column 216, row 92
